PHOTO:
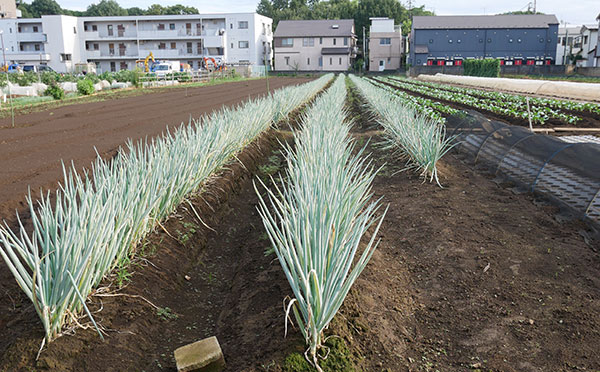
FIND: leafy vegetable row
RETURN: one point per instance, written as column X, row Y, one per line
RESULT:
column 539, row 115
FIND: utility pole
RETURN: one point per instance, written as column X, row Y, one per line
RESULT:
column 12, row 112
column 364, row 50
column 566, row 42
column 534, row 7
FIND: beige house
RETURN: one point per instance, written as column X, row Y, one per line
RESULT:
column 8, row 9
column 385, row 45
column 314, row 45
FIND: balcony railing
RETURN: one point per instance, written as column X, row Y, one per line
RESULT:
column 32, row 37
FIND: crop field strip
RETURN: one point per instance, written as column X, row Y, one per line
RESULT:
column 317, row 219
column 416, row 132
column 100, row 216
column 504, row 104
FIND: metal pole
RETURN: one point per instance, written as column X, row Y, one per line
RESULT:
column 12, row 112
column 267, row 72
column 565, row 48
column 364, row 50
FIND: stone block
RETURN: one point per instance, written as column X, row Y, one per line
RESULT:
column 201, row 356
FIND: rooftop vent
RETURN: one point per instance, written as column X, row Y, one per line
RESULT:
column 335, row 26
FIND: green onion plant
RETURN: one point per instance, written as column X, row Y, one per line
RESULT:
column 317, row 219
column 98, row 217
column 420, row 139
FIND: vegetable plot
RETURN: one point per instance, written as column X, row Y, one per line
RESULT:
column 317, row 219
column 100, row 216
column 498, row 103
column 422, row 140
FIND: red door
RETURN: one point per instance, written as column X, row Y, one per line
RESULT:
column 440, row 63
column 530, row 62
column 459, row 62
column 430, row 62
column 518, row 62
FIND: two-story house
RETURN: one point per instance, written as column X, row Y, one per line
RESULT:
column 385, row 44
column 314, row 45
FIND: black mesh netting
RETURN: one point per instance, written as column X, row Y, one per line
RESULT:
column 568, row 172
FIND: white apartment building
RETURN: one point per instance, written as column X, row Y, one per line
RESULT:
column 589, row 45
column 115, row 43
column 315, row 45
column 385, row 44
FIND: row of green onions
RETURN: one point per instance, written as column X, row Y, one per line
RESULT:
column 100, row 216
column 420, row 139
column 317, row 219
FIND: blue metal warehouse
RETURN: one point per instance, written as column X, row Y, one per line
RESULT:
column 514, row 39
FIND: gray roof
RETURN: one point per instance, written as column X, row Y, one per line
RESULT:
column 330, row 51
column 485, row 21
column 312, row 28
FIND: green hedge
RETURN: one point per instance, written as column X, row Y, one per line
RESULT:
column 482, row 67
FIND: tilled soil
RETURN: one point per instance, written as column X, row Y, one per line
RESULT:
column 31, row 153
column 468, row 277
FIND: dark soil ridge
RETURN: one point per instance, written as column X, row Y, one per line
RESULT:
column 589, row 120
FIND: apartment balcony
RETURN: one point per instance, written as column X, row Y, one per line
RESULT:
column 116, row 35
column 32, row 37
column 172, row 53
column 111, row 54
column 169, row 34
column 31, row 56
column 213, row 41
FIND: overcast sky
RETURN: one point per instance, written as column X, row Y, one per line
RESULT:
column 572, row 11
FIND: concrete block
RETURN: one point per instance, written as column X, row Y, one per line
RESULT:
column 201, row 356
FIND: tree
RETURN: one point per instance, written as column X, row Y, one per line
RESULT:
column 43, row 7
column 135, row 11
column 181, row 9
column 104, row 8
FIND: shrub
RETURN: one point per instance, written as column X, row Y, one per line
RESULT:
column 85, row 87
column 55, row 91
column 50, row 77
column 482, row 67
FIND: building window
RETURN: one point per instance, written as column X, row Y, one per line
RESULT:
column 334, row 41
column 109, row 29
column 321, row 40
column 231, row 26
column 111, row 49
column 96, row 47
column 161, row 26
column 243, row 44
column 231, row 45
column 330, row 61
column 308, row 42
column 381, row 63
column 308, row 61
column 288, row 42
column 385, row 41
column 243, row 25
column 287, row 61
column 113, row 67
column 171, row 26
column 559, row 41
column 340, row 61
column 37, row 47
column 430, row 41
column 35, row 28
column 123, row 66
column 346, row 41
column 162, row 46
column 389, row 59
column 320, row 61
column 74, row 30
column 65, row 57
column 173, row 45
column 21, row 47
column 189, row 48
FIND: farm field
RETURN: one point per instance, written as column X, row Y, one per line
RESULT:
column 444, row 99
column 468, row 276
column 31, row 154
